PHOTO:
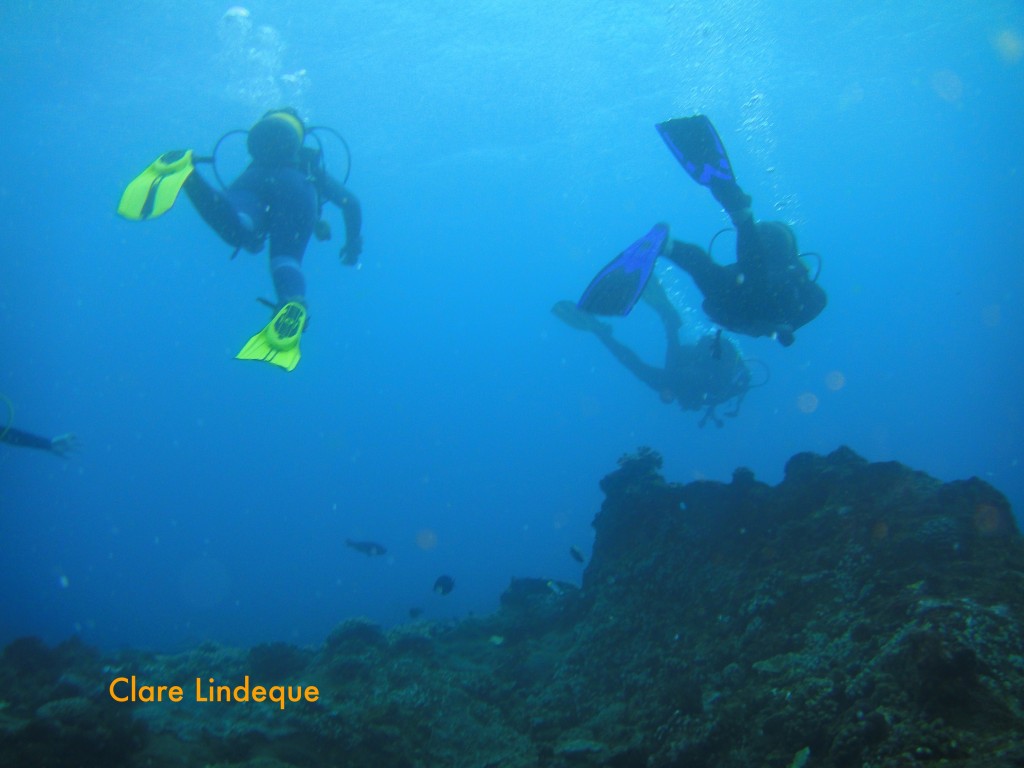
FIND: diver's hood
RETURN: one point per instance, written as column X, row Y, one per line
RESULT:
column 777, row 238
column 276, row 139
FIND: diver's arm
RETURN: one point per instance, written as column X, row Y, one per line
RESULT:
column 648, row 374
column 737, row 203
column 24, row 439
column 335, row 191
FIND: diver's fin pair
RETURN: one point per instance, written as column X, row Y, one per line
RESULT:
column 278, row 343
column 697, row 147
column 154, row 191
column 617, row 287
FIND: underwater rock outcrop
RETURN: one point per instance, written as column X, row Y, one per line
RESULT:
column 855, row 614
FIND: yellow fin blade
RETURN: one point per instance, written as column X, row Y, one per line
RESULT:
column 278, row 342
column 154, row 191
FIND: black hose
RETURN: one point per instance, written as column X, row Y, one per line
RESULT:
column 348, row 152
column 817, row 257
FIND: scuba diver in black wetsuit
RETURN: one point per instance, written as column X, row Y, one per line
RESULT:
column 278, row 198
column 696, row 376
column 768, row 291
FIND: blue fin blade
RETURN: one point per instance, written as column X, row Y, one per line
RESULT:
column 697, row 147
column 617, row 287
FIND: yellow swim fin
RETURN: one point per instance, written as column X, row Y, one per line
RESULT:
column 154, row 191
column 278, row 343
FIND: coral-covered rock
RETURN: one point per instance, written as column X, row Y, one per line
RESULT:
column 856, row 614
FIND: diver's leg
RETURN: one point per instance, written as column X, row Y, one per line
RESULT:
column 289, row 282
column 654, row 294
column 292, row 216
column 731, row 197
column 648, row 374
column 749, row 250
column 712, row 279
column 225, row 216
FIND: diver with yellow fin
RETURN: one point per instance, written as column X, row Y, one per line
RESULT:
column 278, row 198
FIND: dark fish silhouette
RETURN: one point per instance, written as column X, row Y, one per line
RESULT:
column 444, row 585
column 576, row 554
column 370, row 548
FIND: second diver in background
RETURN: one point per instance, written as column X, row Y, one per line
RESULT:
column 277, row 198
column 697, row 376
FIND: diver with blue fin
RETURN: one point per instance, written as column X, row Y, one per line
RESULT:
column 278, row 198
column 768, row 291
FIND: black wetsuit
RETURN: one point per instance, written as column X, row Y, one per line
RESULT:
column 766, row 292
column 279, row 203
column 13, row 436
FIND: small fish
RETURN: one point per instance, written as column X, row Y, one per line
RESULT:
column 370, row 548
column 576, row 554
column 444, row 585
column 415, row 612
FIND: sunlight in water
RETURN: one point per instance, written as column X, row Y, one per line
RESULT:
column 807, row 402
column 426, row 539
column 948, row 86
column 1009, row 45
column 835, row 380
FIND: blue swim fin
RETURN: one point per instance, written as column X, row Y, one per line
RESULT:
column 617, row 287
column 697, row 146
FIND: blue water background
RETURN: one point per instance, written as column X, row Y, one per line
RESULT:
column 503, row 152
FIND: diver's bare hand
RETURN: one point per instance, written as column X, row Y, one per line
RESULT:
column 64, row 445
column 350, row 253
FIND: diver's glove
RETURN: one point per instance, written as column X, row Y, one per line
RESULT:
column 350, row 252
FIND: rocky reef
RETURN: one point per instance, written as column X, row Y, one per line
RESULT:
column 856, row 614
